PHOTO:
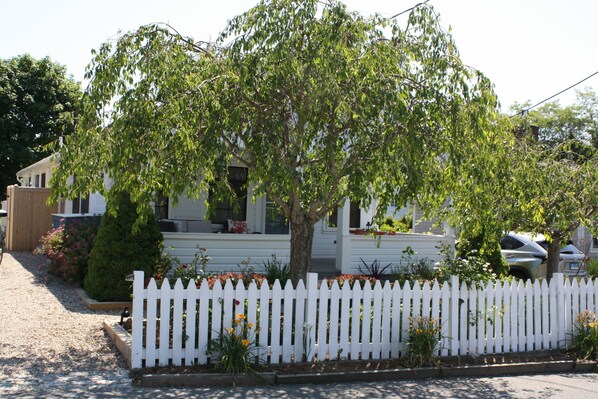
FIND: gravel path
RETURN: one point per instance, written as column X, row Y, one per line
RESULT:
column 47, row 334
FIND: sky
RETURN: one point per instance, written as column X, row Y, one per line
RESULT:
column 530, row 49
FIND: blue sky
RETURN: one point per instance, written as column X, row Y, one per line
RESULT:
column 530, row 49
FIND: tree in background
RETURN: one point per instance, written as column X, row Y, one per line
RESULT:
column 321, row 104
column 559, row 172
column 37, row 105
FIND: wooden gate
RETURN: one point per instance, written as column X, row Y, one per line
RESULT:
column 29, row 217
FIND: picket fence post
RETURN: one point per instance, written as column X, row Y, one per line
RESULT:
column 310, row 316
column 137, row 333
column 453, row 319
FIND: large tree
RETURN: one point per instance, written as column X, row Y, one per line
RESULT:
column 38, row 102
column 320, row 103
column 561, row 186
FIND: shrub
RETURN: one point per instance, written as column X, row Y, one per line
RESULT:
column 68, row 247
column 585, row 336
column 593, row 268
column 472, row 269
column 423, row 341
column 119, row 250
column 410, row 269
column 402, row 225
column 235, row 347
column 486, row 248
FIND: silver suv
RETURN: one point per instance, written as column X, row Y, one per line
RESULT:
column 527, row 257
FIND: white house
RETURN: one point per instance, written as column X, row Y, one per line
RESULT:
column 336, row 244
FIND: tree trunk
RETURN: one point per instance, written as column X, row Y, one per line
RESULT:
column 302, row 234
column 554, row 250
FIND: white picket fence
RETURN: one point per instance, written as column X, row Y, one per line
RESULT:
column 313, row 321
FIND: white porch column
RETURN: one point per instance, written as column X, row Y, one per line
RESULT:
column 343, row 240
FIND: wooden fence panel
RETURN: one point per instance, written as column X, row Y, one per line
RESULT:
column 29, row 217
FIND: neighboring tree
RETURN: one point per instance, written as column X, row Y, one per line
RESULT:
column 37, row 104
column 559, row 172
column 561, row 189
column 587, row 105
column 121, row 246
column 560, row 124
column 321, row 104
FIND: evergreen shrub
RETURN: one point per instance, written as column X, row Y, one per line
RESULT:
column 119, row 249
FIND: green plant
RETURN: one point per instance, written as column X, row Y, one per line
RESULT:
column 119, row 249
column 374, row 269
column 68, row 247
column 410, row 269
column 593, row 268
column 402, row 225
column 424, row 339
column 472, row 269
column 585, row 336
column 277, row 270
column 235, row 349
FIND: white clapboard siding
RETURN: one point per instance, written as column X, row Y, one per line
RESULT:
column 227, row 251
column 173, row 324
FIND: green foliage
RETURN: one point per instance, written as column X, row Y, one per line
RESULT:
column 38, row 103
column 277, row 270
column 486, row 247
column 68, row 247
column 410, row 269
column 402, row 225
column 235, row 349
column 472, row 269
column 360, row 107
column 423, row 342
column 585, row 336
column 119, row 249
column 593, row 268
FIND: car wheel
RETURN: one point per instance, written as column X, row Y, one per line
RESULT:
column 518, row 274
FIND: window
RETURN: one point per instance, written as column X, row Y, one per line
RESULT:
column 232, row 208
column 595, row 242
column 161, row 207
column 43, row 180
column 36, row 181
column 276, row 223
column 510, row 243
column 354, row 216
column 81, row 204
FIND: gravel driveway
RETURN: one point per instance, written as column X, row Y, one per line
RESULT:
column 48, row 337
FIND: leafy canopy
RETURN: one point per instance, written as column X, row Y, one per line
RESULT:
column 319, row 102
column 38, row 103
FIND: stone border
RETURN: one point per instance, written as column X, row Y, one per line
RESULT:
column 92, row 304
column 122, row 339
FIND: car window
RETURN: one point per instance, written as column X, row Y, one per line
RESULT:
column 510, row 243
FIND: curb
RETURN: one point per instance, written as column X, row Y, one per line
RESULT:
column 495, row 370
column 207, row 380
column 121, row 338
column 92, row 304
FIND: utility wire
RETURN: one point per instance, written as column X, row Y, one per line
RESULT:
column 524, row 111
column 409, row 9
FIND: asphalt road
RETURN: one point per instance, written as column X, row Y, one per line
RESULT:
column 554, row 386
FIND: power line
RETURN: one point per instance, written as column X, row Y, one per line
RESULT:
column 409, row 9
column 524, row 111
